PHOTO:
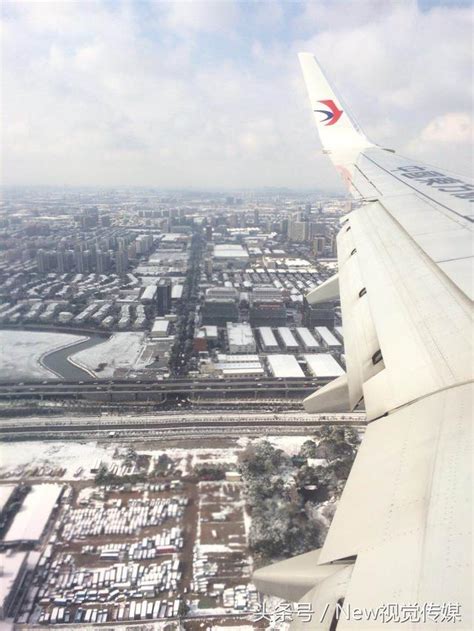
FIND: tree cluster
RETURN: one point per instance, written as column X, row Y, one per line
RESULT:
column 283, row 493
column 211, row 471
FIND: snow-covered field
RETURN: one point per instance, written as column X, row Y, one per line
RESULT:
column 119, row 351
column 14, row 457
column 17, row 456
column 21, row 352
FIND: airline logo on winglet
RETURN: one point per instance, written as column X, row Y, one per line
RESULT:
column 333, row 114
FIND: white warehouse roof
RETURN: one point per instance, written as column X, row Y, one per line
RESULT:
column 327, row 336
column 176, row 292
column 160, row 326
column 242, row 359
column 248, row 370
column 230, row 251
column 308, row 339
column 149, row 293
column 323, row 365
column 11, row 565
column 284, row 366
column 287, row 337
column 268, row 339
column 239, row 334
column 30, row 521
column 5, row 494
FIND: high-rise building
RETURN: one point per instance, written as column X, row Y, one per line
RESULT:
column 43, row 261
column 163, row 296
column 298, row 231
column 89, row 218
column 121, row 262
column 82, row 260
column 143, row 244
column 63, row 261
column 102, row 259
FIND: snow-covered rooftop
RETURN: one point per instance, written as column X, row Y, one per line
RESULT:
column 284, row 366
column 30, row 521
column 323, row 365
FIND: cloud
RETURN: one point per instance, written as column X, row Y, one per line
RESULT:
column 196, row 15
column 209, row 94
column 456, row 127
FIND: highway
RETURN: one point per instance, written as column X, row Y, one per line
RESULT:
column 156, row 390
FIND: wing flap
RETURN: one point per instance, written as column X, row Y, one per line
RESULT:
column 408, row 449
column 408, row 502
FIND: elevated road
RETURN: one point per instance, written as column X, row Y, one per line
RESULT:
column 156, row 390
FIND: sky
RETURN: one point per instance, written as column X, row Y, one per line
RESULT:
column 209, row 95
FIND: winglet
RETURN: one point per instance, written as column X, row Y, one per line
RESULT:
column 336, row 127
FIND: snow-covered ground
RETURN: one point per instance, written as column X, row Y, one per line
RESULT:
column 73, row 455
column 14, row 457
column 21, row 352
column 120, row 351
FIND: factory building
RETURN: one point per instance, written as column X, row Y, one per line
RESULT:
column 31, row 520
column 149, row 294
column 287, row 338
column 219, row 311
column 240, row 338
column 230, row 254
column 205, row 338
column 268, row 340
column 269, row 311
column 13, row 570
column 176, row 292
column 6, row 492
column 308, row 340
column 327, row 339
column 160, row 328
column 321, row 314
column 267, row 306
column 284, row 366
column 222, row 293
column 323, row 365
column 264, row 293
column 239, row 366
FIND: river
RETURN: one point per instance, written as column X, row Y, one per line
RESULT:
column 57, row 361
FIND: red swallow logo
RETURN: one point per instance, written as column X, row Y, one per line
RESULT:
column 333, row 114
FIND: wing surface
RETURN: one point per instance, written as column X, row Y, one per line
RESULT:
column 402, row 534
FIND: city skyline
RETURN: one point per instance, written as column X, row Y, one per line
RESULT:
column 206, row 95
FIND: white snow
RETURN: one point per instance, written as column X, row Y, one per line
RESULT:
column 70, row 456
column 22, row 351
column 121, row 350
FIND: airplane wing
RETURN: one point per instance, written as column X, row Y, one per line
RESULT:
column 399, row 548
